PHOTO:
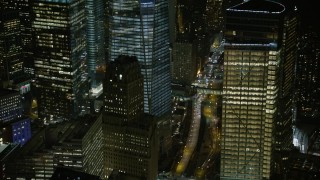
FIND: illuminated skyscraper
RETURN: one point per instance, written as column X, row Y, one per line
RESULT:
column 23, row 8
column 258, row 77
column 129, row 134
column 25, row 11
column 60, row 66
column 184, row 64
column 11, row 61
column 140, row 28
column 95, row 38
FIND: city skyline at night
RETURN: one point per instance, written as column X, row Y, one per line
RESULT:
column 159, row 89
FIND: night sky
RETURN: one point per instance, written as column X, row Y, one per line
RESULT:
column 309, row 10
column 309, row 13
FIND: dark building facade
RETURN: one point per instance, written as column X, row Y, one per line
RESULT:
column 24, row 10
column 129, row 134
column 289, row 55
column 6, row 153
column 60, row 60
column 184, row 64
column 124, row 96
column 25, row 13
column 68, row 173
column 308, row 76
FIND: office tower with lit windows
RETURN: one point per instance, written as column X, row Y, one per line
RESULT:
column 60, row 60
column 283, row 126
column 129, row 134
column 81, row 148
column 11, row 59
column 140, row 28
column 95, row 39
column 25, row 11
column 172, row 20
column 23, row 8
column 257, row 80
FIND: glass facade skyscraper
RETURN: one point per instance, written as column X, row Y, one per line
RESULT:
column 140, row 28
column 95, row 38
column 60, row 61
column 284, row 133
column 258, row 70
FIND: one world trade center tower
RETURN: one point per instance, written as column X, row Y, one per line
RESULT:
column 140, row 28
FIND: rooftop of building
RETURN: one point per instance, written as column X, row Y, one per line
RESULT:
column 116, row 175
column 71, row 130
column 142, row 123
column 179, row 112
column 6, row 149
column 259, row 6
column 301, row 165
column 123, row 69
column 84, row 125
column 3, row 147
column 15, row 121
column 58, row 132
column 6, row 92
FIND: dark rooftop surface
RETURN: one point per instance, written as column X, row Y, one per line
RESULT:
column 179, row 112
column 68, row 173
column 260, row 5
column 4, row 92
